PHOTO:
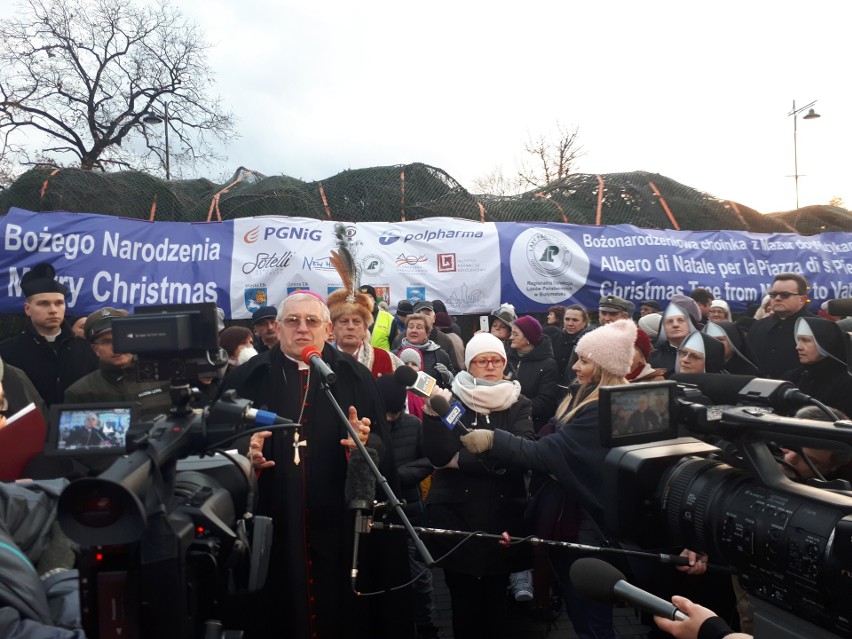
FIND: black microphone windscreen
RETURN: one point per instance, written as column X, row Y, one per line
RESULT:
column 360, row 480
column 719, row 388
column 440, row 405
column 405, row 375
column 595, row 579
column 841, row 307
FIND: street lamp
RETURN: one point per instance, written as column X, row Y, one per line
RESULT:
column 810, row 115
column 152, row 117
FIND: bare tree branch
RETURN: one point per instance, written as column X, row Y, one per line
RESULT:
column 85, row 73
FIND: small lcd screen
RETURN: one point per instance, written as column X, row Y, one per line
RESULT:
column 637, row 413
column 86, row 430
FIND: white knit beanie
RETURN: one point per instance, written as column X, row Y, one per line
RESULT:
column 483, row 343
column 610, row 346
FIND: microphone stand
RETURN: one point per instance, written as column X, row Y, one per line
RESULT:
column 504, row 538
column 380, row 479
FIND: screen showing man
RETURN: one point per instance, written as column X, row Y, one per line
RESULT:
column 84, row 430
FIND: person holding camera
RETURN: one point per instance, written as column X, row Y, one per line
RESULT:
column 574, row 457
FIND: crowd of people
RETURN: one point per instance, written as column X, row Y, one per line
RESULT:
column 529, row 460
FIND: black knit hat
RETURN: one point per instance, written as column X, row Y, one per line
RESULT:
column 41, row 278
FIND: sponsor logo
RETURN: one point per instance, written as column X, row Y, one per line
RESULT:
column 389, row 237
column 318, row 264
column 255, row 297
column 372, row 266
column 446, row 262
column 251, row 235
column 464, row 298
column 548, row 266
column 282, row 233
column 410, row 260
column 415, row 293
column 548, row 255
column 330, row 289
column 292, row 287
column 393, row 235
column 268, row 262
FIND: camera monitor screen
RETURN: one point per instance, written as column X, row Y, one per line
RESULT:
column 637, row 413
column 90, row 429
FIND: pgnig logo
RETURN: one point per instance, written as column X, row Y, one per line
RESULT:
column 282, row 233
column 389, row 237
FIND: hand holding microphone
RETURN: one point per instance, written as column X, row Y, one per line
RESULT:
column 478, row 441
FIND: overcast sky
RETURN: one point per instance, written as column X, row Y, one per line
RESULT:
column 698, row 92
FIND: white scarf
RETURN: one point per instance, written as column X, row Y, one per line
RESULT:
column 483, row 396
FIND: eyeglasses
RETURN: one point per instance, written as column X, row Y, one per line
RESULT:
column 291, row 321
column 691, row 355
column 782, row 294
column 487, row 361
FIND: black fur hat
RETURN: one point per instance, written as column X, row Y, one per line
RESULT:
column 41, row 278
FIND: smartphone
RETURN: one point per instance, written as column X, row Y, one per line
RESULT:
column 485, row 323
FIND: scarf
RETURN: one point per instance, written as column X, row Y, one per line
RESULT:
column 483, row 396
column 428, row 345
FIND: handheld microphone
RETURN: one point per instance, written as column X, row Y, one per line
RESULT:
column 312, row 356
column 450, row 414
column 264, row 417
column 418, row 382
column 840, row 307
column 359, row 491
column 602, row 582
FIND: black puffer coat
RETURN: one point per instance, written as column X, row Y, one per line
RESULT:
column 538, row 375
column 477, row 496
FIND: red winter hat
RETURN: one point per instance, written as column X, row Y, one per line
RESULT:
column 530, row 327
column 643, row 343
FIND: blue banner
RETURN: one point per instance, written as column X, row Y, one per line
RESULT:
column 246, row 263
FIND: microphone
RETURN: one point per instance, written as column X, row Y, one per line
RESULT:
column 312, row 356
column 418, row 381
column 450, row 414
column 359, row 491
column 264, row 417
column 604, row 583
column 841, row 307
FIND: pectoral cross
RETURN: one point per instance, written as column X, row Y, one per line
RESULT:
column 296, row 445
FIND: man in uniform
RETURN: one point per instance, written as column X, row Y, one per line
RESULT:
column 115, row 380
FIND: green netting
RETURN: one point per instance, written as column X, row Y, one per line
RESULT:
column 406, row 192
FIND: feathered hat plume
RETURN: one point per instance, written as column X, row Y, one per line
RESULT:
column 348, row 299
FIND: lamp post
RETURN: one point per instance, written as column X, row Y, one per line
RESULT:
column 810, row 115
column 152, row 117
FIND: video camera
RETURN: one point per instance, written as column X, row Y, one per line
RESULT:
column 166, row 543
column 723, row 492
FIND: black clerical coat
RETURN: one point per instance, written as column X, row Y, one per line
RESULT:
column 309, row 587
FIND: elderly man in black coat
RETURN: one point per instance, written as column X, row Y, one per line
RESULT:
column 301, row 486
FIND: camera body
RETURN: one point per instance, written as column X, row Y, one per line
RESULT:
column 165, row 540
column 725, row 495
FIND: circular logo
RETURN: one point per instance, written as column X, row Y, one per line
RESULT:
column 548, row 266
column 389, row 237
column 372, row 265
